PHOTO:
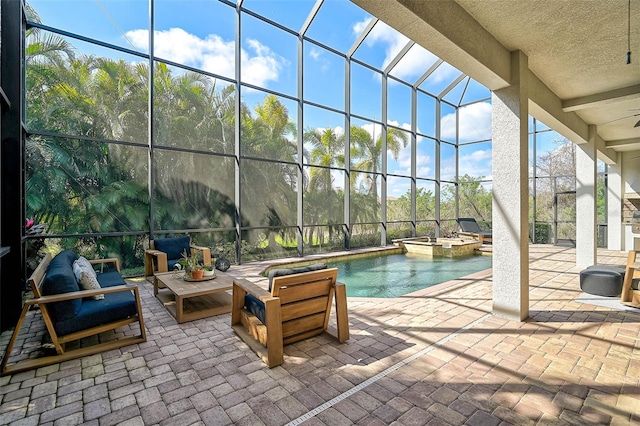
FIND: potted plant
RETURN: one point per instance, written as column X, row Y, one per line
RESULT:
column 209, row 271
column 193, row 268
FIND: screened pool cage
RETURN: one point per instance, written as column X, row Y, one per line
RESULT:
column 262, row 133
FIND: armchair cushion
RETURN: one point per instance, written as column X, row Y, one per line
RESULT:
column 93, row 313
column 61, row 279
column 111, row 279
column 173, row 247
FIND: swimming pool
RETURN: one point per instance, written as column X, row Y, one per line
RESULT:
column 397, row 274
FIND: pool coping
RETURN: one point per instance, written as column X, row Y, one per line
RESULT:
column 333, row 256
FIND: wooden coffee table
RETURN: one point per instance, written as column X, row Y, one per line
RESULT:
column 191, row 300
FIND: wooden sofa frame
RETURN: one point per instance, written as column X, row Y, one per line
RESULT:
column 59, row 342
column 298, row 307
column 630, row 296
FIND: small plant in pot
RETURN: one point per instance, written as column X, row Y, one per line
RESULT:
column 193, row 268
column 209, row 271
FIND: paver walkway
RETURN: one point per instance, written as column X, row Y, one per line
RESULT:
column 436, row 357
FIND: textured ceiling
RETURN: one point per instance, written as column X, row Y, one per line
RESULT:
column 577, row 48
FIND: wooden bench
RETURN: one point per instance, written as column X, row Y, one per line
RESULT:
column 297, row 307
column 96, row 317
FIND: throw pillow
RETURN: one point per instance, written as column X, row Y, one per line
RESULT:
column 86, row 277
column 86, row 266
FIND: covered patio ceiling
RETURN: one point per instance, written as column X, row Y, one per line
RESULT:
column 577, row 53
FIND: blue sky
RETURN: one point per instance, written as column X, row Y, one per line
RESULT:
column 201, row 34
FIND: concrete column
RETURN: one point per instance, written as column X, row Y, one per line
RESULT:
column 510, row 229
column 586, row 213
column 615, row 187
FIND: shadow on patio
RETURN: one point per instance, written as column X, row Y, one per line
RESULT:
column 438, row 355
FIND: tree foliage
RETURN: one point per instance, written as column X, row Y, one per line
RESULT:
column 94, row 176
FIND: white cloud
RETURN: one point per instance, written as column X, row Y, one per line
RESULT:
column 382, row 33
column 374, row 129
column 475, row 123
column 262, row 68
column 260, row 64
column 415, row 63
column 338, row 130
column 359, row 27
column 318, row 56
column 444, row 72
column 397, row 186
column 315, row 53
column 477, row 163
column 447, row 166
column 424, row 172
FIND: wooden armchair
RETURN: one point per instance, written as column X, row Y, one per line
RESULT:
column 70, row 314
column 297, row 307
column 630, row 295
column 164, row 253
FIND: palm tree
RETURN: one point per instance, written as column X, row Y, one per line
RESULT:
column 322, row 202
column 327, row 150
column 367, row 154
column 270, row 188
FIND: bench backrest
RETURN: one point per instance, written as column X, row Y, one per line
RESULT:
column 305, row 301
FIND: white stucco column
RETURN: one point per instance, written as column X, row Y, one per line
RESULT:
column 615, row 187
column 510, row 221
column 586, row 211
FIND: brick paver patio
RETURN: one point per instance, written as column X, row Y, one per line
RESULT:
column 435, row 357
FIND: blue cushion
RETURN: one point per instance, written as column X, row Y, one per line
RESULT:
column 255, row 306
column 111, row 279
column 289, row 271
column 114, row 306
column 60, row 279
column 174, row 247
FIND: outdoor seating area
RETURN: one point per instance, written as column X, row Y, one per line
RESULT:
column 569, row 363
column 267, row 212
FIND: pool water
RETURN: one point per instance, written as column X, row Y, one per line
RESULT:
column 397, row 274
